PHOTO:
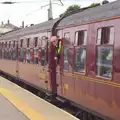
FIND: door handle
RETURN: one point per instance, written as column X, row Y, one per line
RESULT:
column 61, row 73
column 46, row 81
column 49, row 70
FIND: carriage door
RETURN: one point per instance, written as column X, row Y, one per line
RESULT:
column 59, row 66
column 64, row 78
column 43, row 61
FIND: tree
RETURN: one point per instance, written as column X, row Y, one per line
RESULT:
column 94, row 4
column 105, row 2
column 72, row 8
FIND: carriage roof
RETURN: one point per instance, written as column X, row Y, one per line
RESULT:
column 42, row 27
column 89, row 14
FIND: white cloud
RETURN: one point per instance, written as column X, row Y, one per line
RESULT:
column 18, row 12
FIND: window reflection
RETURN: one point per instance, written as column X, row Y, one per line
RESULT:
column 80, row 57
column 104, row 61
column 65, row 59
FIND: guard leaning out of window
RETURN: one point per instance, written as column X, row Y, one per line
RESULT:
column 58, row 47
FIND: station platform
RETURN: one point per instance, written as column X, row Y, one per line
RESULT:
column 17, row 103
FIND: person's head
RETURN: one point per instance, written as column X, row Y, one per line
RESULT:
column 54, row 40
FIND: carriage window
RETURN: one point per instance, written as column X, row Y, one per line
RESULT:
column 14, row 55
column 2, row 44
column 104, row 61
column 104, row 52
column 66, row 64
column 67, row 36
column 42, row 57
column 105, row 35
column 14, row 43
column 36, row 56
column 9, row 44
column 36, row 41
column 21, row 43
column 28, row 42
column 43, row 44
column 80, row 58
column 21, row 55
column 0, row 50
column 28, row 56
column 81, row 37
column 5, row 44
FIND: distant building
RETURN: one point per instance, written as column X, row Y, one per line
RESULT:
column 7, row 27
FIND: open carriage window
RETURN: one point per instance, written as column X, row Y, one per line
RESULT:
column 28, row 42
column 80, row 51
column 104, row 52
column 9, row 44
column 21, row 43
column 105, row 35
column 81, row 37
column 36, row 41
column 14, row 43
column 6, row 44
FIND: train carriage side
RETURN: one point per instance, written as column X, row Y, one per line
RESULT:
column 32, row 65
column 89, row 65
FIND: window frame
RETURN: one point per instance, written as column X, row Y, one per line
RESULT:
column 104, row 45
column 36, row 43
column 65, row 47
column 101, row 36
column 21, row 43
column 43, row 38
column 14, row 43
column 2, row 44
column 67, row 41
column 9, row 44
column 76, row 46
column 6, row 44
column 68, row 33
column 76, row 41
column 28, row 42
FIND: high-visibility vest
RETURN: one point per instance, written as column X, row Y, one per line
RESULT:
column 59, row 47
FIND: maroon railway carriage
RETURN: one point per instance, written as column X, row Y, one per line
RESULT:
column 89, row 71
column 31, row 65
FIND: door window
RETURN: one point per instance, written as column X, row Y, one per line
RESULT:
column 66, row 64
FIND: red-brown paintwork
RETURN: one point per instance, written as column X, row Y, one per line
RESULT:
column 100, row 97
column 98, row 94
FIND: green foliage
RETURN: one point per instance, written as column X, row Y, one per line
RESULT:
column 72, row 8
column 94, row 5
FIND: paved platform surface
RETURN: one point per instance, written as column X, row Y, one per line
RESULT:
column 9, row 111
column 27, row 104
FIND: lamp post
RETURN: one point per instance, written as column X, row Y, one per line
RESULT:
column 50, row 13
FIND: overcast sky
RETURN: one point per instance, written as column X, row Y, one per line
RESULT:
column 19, row 12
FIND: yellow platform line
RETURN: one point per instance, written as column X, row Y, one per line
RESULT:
column 24, row 108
